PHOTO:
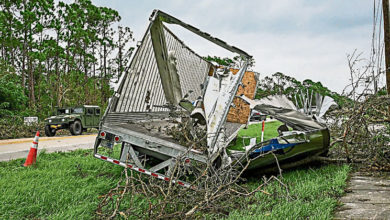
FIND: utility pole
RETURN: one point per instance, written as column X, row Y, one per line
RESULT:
column 386, row 27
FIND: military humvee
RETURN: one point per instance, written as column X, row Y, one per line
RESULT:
column 76, row 119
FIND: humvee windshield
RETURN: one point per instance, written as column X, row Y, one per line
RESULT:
column 60, row 111
column 78, row 110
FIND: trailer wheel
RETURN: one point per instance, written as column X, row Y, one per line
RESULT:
column 76, row 128
column 49, row 131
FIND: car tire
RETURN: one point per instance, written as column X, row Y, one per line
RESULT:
column 76, row 128
column 49, row 131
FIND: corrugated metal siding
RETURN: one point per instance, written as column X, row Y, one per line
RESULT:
column 129, row 117
column 141, row 80
column 192, row 69
column 142, row 90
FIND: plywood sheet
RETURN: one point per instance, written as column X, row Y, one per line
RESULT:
column 241, row 112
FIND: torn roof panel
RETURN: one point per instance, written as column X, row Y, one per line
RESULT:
column 293, row 118
column 280, row 101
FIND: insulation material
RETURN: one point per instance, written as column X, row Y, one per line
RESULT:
column 211, row 96
column 242, row 110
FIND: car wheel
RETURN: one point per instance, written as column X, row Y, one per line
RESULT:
column 76, row 128
column 49, row 131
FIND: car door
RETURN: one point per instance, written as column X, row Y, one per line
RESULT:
column 89, row 117
column 96, row 118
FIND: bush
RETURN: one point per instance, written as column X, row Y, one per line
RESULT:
column 12, row 96
column 12, row 126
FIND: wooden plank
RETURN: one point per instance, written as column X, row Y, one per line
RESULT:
column 241, row 112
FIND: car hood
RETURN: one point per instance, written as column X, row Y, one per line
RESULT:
column 62, row 116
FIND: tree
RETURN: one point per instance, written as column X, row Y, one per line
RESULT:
column 11, row 92
column 236, row 62
column 63, row 54
column 282, row 84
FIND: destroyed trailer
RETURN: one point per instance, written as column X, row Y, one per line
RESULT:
column 168, row 87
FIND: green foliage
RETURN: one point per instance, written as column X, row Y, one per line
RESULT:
column 12, row 96
column 236, row 62
column 282, row 84
column 61, row 53
column 12, row 126
column 382, row 91
column 221, row 61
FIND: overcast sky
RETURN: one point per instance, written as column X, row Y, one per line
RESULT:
column 301, row 38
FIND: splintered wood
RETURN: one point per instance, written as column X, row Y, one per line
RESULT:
column 241, row 112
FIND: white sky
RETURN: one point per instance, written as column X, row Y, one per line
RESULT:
column 300, row 38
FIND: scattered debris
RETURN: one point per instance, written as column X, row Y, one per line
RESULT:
column 188, row 100
column 173, row 117
column 361, row 132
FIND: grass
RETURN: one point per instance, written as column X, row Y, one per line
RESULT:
column 60, row 186
column 312, row 194
column 254, row 130
column 68, row 186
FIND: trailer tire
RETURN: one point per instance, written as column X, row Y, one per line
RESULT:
column 49, row 131
column 76, row 128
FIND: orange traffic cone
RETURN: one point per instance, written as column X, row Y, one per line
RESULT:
column 32, row 155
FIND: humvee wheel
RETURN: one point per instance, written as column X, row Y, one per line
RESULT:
column 49, row 131
column 76, row 128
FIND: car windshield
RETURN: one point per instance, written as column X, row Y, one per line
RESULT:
column 60, row 111
column 78, row 110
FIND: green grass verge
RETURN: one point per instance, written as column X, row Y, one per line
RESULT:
column 68, row 186
column 313, row 194
column 59, row 186
column 254, row 130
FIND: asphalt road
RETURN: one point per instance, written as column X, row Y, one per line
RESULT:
column 18, row 148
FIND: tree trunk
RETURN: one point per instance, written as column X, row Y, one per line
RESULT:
column 58, row 83
column 386, row 27
column 86, row 93
column 31, row 84
column 104, row 67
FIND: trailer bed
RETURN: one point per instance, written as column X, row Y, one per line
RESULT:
column 155, row 129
